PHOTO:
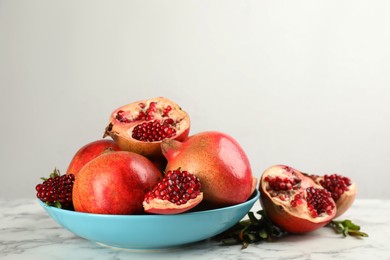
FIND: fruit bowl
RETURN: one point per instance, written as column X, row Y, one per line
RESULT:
column 150, row 231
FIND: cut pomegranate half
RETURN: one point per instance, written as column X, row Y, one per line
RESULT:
column 294, row 201
column 177, row 192
column 141, row 126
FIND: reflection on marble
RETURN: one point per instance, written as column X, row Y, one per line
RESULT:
column 27, row 232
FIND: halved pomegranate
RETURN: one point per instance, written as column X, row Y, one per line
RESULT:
column 343, row 190
column 293, row 201
column 141, row 126
column 177, row 192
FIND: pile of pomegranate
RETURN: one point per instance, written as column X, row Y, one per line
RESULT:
column 152, row 165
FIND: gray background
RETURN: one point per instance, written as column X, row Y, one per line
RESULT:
column 303, row 83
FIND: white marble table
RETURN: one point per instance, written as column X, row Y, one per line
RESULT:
column 28, row 233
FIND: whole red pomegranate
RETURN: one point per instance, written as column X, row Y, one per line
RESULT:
column 114, row 183
column 218, row 161
column 89, row 152
column 293, row 201
column 342, row 189
column 141, row 126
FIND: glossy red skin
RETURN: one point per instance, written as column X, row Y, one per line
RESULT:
column 218, row 161
column 114, row 183
column 286, row 221
column 89, row 152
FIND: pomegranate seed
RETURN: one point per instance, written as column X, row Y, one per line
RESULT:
column 282, row 197
column 177, row 187
column 336, row 184
column 167, row 110
column 120, row 116
column 152, row 131
column 56, row 189
column 168, row 121
column 320, row 200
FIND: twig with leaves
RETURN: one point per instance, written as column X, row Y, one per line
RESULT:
column 255, row 229
column 347, row 228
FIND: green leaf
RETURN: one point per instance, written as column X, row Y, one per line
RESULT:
column 263, row 234
column 57, row 204
column 348, row 223
column 347, row 228
column 357, row 233
column 53, row 174
column 251, row 230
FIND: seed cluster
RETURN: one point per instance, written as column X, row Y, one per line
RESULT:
column 282, row 187
column 336, row 185
column 177, row 187
column 155, row 130
column 277, row 183
column 57, row 189
column 319, row 201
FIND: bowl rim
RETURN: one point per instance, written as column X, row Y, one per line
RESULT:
column 251, row 200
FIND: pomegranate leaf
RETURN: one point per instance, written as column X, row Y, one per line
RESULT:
column 250, row 231
column 255, row 229
column 54, row 174
column 347, row 227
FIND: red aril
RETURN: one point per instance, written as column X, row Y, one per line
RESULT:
column 141, row 126
column 114, row 183
column 56, row 190
column 293, row 201
column 343, row 190
column 218, row 161
column 89, row 152
column 177, row 192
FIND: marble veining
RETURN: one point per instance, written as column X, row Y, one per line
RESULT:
column 27, row 232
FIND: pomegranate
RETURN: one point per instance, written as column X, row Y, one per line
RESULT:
column 114, row 183
column 141, row 126
column 89, row 152
column 177, row 192
column 293, row 201
column 218, row 161
column 343, row 190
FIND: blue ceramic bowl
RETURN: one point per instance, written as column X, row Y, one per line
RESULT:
column 150, row 231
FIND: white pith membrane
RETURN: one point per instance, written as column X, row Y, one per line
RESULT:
column 285, row 197
column 351, row 192
column 166, row 205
